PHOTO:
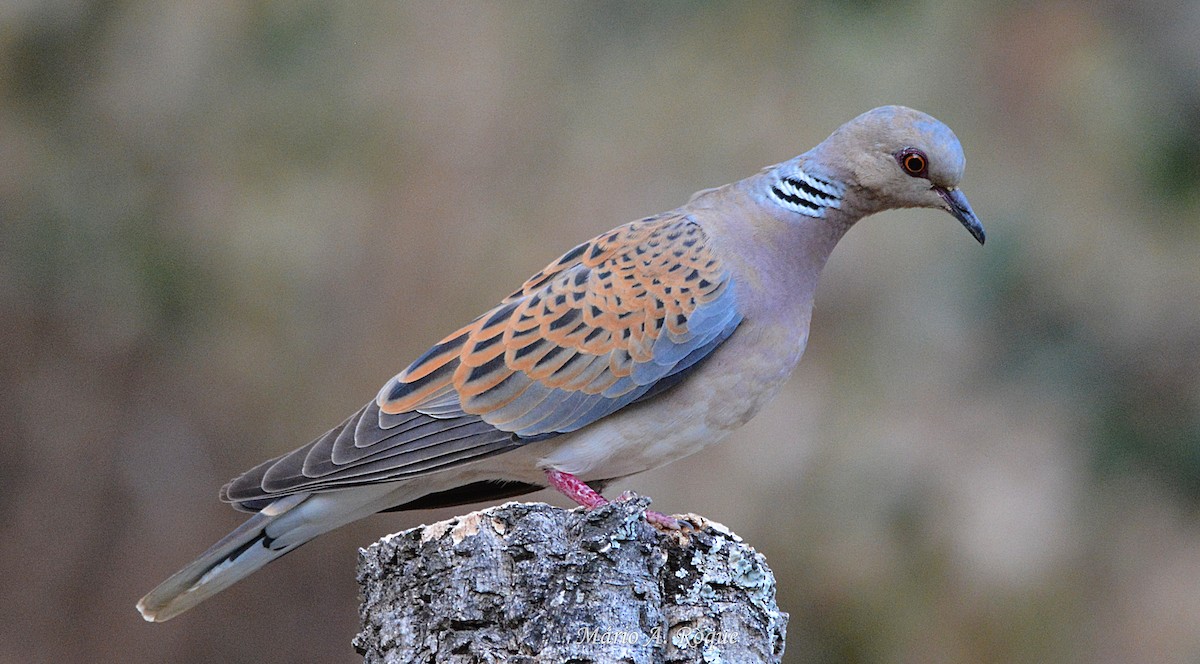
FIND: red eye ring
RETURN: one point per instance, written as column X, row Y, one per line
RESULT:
column 913, row 161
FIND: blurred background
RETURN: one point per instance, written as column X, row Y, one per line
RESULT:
column 225, row 225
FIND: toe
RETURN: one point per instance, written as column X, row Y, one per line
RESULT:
column 661, row 520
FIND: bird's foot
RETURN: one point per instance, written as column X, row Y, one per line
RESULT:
column 579, row 491
column 576, row 489
column 656, row 519
column 666, row 521
column 674, row 523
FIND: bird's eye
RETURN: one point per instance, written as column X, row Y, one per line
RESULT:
column 913, row 161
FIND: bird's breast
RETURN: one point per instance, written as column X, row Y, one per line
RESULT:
column 722, row 394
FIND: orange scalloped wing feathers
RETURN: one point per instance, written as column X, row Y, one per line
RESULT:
column 614, row 320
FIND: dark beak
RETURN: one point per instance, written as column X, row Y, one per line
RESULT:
column 957, row 205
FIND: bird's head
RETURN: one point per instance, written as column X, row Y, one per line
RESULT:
column 897, row 157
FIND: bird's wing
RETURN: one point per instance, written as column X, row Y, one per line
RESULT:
column 613, row 321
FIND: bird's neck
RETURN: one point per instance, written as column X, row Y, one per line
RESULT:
column 777, row 247
column 808, row 210
column 800, row 188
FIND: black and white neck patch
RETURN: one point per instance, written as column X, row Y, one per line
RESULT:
column 809, row 195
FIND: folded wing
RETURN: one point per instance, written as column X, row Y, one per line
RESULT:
column 613, row 321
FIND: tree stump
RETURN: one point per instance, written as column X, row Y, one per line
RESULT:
column 532, row 583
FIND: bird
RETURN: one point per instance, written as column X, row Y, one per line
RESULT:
column 636, row 348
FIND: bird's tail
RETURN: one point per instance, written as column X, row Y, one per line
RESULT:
column 279, row 528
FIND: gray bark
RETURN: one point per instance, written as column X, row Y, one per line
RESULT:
column 533, row 583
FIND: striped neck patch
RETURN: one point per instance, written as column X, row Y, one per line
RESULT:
column 800, row 192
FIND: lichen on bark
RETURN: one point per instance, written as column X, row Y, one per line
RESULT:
column 528, row 582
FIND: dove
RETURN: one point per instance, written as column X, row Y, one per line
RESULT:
column 636, row 348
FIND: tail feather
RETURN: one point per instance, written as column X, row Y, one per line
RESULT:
column 235, row 556
column 279, row 528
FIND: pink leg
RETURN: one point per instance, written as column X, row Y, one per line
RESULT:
column 578, row 490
